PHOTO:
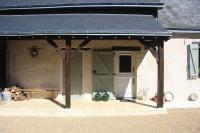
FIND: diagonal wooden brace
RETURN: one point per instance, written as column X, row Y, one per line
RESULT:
column 81, row 45
column 154, row 52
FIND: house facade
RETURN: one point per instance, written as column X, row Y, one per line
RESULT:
column 182, row 50
column 131, row 49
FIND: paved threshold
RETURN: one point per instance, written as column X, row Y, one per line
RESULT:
column 46, row 108
column 78, row 113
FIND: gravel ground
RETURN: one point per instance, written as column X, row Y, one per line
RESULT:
column 176, row 121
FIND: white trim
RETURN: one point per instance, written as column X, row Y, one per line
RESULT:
column 165, row 34
column 184, row 31
column 159, row 5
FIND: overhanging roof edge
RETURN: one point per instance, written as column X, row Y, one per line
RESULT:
column 168, row 34
column 145, row 5
column 81, row 25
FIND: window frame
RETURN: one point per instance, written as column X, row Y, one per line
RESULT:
column 131, row 65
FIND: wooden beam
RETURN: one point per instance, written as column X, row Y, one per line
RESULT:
column 126, row 48
column 52, row 43
column 82, row 44
column 153, row 52
column 151, row 46
column 55, row 45
column 68, row 74
column 160, row 89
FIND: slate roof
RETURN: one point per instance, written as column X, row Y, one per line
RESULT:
column 180, row 14
column 177, row 14
column 80, row 24
column 13, row 4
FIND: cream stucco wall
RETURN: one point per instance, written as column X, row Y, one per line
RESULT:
column 43, row 71
column 87, row 75
column 175, row 71
column 146, row 74
column 176, row 79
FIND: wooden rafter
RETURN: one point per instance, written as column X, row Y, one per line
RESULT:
column 151, row 46
column 154, row 52
column 52, row 43
column 81, row 45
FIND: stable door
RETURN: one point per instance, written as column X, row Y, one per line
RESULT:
column 125, row 76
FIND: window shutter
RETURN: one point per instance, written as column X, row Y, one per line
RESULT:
column 193, row 61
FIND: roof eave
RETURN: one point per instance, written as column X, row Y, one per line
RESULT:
column 184, row 31
column 164, row 37
column 164, row 34
column 157, row 5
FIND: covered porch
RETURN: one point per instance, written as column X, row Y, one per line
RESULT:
column 87, row 28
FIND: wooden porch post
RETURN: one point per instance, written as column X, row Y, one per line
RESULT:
column 160, row 89
column 68, row 74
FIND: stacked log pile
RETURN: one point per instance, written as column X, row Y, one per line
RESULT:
column 17, row 93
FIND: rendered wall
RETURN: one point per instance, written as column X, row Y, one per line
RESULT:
column 42, row 71
column 146, row 74
column 176, row 79
column 175, row 71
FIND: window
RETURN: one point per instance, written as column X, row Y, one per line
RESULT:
column 125, row 63
column 193, row 60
